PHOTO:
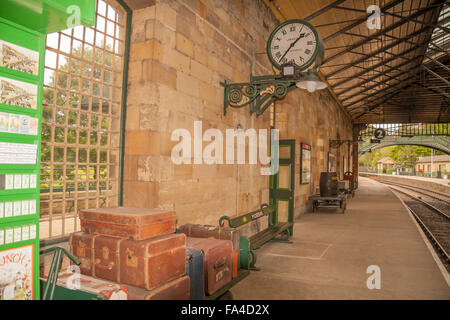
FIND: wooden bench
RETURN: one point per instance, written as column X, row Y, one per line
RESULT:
column 249, row 244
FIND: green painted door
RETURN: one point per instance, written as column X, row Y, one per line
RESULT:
column 282, row 184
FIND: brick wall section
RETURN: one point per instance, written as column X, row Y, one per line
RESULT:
column 180, row 52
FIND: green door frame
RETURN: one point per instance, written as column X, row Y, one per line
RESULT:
column 276, row 193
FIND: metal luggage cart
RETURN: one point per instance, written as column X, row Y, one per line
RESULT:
column 338, row 201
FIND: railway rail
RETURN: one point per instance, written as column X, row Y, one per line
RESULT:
column 432, row 216
column 434, row 198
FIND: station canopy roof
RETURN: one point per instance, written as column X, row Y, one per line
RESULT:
column 397, row 74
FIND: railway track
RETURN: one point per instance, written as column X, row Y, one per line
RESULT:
column 431, row 213
column 436, row 199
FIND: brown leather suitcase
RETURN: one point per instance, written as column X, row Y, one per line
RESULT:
column 177, row 289
column 221, row 233
column 147, row 263
column 152, row 262
column 128, row 223
column 106, row 257
column 81, row 245
column 218, row 260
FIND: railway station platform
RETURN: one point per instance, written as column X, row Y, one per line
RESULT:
column 432, row 184
column 331, row 252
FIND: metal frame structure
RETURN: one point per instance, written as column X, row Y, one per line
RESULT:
column 408, row 130
column 397, row 74
column 83, row 119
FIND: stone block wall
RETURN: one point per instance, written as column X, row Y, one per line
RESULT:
column 180, row 52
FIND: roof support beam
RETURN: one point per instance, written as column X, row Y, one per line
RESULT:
column 439, row 63
column 376, row 35
column 396, row 92
column 323, row 10
column 362, row 20
column 393, row 68
column 393, row 44
column 445, row 29
column 375, row 85
column 370, row 109
column 389, row 90
column 436, row 75
column 377, row 66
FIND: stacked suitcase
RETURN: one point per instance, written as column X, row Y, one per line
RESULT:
column 205, row 231
column 219, row 249
column 135, row 247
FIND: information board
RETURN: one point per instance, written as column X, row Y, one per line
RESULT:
column 21, row 72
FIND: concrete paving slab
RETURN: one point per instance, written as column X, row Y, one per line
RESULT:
column 331, row 252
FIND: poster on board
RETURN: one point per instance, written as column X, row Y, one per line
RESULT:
column 18, row 58
column 16, row 273
column 305, row 164
column 331, row 162
column 18, row 93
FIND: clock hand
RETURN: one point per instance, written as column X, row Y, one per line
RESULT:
column 292, row 44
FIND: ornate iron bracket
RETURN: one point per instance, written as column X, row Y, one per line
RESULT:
column 259, row 93
column 338, row 143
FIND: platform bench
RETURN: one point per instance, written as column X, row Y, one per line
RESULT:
column 249, row 244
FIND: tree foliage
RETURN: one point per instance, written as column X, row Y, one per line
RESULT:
column 89, row 128
column 405, row 155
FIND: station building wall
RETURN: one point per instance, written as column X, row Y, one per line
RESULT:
column 180, row 52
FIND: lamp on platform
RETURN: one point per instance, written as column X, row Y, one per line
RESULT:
column 311, row 82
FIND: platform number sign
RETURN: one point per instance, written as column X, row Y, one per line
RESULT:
column 379, row 133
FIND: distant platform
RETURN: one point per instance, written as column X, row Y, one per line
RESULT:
column 331, row 252
column 440, row 185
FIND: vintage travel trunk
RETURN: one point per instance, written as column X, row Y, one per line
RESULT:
column 195, row 271
column 128, row 223
column 217, row 261
column 106, row 257
column 152, row 262
column 146, row 263
column 81, row 245
column 205, row 231
column 177, row 289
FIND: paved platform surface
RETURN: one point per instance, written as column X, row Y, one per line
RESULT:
column 331, row 251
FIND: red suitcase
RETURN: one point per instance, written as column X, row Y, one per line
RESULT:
column 221, row 233
column 177, row 289
column 128, row 223
column 218, row 261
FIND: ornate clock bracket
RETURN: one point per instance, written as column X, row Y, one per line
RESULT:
column 259, row 93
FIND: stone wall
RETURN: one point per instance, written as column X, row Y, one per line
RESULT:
column 180, row 52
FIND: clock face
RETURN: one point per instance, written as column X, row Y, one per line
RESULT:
column 294, row 42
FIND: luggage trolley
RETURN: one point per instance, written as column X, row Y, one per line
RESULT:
column 338, row 201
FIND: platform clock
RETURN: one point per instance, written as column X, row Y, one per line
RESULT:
column 294, row 42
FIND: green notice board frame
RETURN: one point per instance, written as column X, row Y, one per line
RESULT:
column 23, row 26
column 19, row 226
